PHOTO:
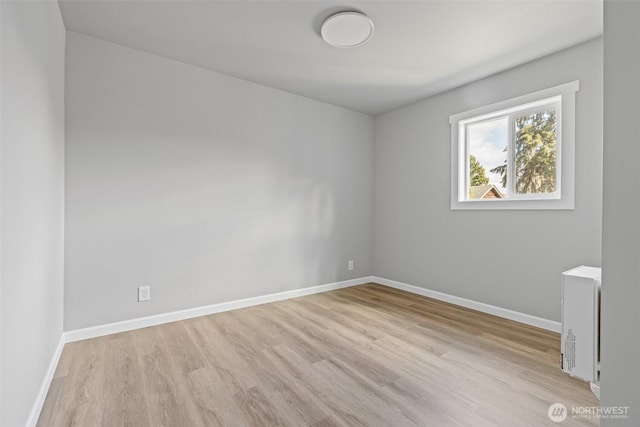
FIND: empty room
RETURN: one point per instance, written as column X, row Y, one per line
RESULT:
column 319, row 213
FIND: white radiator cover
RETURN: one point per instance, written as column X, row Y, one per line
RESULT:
column 580, row 344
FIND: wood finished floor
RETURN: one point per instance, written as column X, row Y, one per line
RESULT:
column 361, row 356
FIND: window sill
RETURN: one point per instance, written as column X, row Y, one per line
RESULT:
column 554, row 204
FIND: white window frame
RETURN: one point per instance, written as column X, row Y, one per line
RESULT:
column 562, row 98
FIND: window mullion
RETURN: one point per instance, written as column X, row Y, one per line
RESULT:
column 511, row 155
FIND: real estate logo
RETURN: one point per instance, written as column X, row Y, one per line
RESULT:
column 557, row 412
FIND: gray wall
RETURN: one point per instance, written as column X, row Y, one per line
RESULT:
column 620, row 352
column 511, row 259
column 205, row 187
column 32, row 201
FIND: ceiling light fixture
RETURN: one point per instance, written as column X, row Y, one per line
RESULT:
column 347, row 29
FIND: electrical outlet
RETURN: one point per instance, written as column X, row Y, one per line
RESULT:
column 144, row 293
column 350, row 264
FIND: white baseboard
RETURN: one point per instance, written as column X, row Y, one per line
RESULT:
column 527, row 319
column 46, row 383
column 143, row 322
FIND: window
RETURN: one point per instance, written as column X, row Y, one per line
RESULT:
column 516, row 154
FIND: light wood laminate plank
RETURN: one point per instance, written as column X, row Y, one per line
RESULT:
column 367, row 355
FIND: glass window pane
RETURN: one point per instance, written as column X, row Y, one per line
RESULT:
column 487, row 145
column 535, row 152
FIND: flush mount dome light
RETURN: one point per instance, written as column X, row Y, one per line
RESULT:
column 347, row 29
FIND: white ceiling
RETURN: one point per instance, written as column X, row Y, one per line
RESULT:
column 419, row 48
